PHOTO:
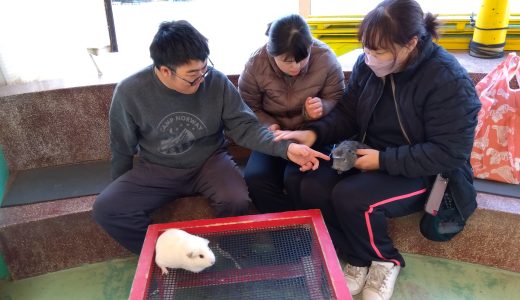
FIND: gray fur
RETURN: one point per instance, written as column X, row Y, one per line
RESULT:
column 344, row 155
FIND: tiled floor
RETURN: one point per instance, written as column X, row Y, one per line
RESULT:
column 424, row 278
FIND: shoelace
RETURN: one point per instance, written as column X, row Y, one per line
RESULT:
column 377, row 276
column 353, row 271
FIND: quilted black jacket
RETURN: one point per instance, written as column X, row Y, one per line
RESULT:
column 438, row 108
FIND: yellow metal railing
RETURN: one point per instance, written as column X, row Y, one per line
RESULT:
column 456, row 31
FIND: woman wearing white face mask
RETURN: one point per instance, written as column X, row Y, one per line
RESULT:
column 384, row 62
column 413, row 103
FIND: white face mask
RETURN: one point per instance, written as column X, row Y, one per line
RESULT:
column 383, row 67
column 380, row 67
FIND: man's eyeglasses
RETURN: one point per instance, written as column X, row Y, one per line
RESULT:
column 209, row 66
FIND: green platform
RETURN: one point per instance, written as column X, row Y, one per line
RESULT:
column 424, row 278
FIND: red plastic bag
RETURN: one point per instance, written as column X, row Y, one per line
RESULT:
column 496, row 150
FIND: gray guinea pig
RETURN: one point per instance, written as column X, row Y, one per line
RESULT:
column 344, row 155
column 176, row 248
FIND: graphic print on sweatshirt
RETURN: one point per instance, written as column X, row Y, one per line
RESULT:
column 178, row 132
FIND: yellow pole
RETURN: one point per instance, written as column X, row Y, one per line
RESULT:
column 489, row 35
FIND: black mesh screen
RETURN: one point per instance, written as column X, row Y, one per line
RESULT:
column 266, row 263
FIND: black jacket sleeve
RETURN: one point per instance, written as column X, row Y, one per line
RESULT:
column 340, row 123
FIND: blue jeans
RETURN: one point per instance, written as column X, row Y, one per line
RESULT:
column 273, row 182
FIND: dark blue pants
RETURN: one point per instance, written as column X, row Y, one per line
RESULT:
column 356, row 205
column 273, row 182
column 123, row 209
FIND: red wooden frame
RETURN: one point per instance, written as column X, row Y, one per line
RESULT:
column 310, row 217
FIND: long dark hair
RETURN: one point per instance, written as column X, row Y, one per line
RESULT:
column 396, row 22
column 289, row 35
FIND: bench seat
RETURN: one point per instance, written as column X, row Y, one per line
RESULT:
column 50, row 236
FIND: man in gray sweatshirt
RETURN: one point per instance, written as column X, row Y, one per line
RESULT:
column 173, row 116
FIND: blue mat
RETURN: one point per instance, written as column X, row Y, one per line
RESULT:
column 497, row 188
column 53, row 183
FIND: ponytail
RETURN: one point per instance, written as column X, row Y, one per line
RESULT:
column 431, row 24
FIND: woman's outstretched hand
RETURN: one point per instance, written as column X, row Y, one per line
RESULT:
column 306, row 137
column 305, row 157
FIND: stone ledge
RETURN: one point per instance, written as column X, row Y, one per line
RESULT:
column 62, row 234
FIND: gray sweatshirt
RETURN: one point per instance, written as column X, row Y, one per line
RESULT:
column 177, row 130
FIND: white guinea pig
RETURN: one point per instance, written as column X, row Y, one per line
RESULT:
column 176, row 248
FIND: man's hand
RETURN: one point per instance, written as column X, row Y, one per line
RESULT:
column 274, row 127
column 313, row 108
column 368, row 159
column 305, row 157
column 306, row 137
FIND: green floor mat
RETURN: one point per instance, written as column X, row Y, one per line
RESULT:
column 53, row 183
column 424, row 278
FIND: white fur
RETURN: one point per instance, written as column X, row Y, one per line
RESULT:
column 176, row 248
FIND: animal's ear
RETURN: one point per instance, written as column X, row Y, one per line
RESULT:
column 206, row 241
column 190, row 254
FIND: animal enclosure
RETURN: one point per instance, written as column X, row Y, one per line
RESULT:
column 285, row 255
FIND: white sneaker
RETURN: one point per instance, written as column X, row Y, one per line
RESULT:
column 356, row 277
column 380, row 281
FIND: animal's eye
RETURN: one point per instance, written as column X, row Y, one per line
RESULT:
column 201, row 255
